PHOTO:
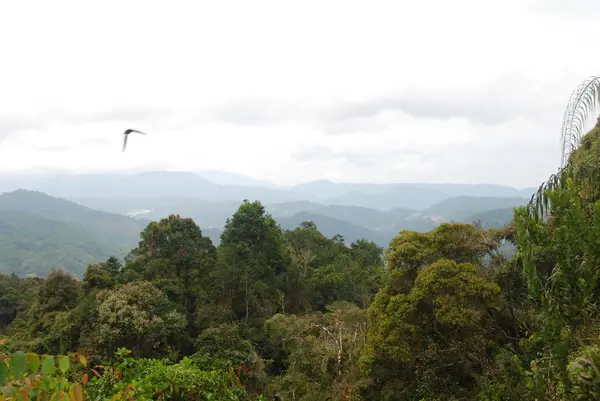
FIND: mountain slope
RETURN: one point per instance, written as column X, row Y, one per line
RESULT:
column 153, row 184
column 404, row 196
column 121, row 230
column 227, row 178
column 462, row 207
column 330, row 226
column 496, row 218
column 30, row 244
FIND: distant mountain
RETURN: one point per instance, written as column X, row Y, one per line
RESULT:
column 30, row 244
column 330, row 226
column 462, row 207
column 325, row 189
column 480, row 190
column 417, row 196
column 361, row 216
column 286, row 209
column 385, row 224
column 226, row 178
column 207, row 186
column 158, row 184
column 214, row 234
column 403, row 213
column 405, row 196
column 496, row 218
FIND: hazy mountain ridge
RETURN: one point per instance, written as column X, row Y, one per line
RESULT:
column 460, row 208
column 163, row 184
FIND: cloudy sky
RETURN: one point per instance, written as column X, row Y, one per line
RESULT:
column 290, row 91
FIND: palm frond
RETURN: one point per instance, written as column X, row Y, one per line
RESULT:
column 539, row 204
column 584, row 100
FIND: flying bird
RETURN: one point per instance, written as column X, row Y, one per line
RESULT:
column 126, row 134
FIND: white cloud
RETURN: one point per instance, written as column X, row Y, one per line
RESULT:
column 462, row 91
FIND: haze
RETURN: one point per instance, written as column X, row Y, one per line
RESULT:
column 396, row 91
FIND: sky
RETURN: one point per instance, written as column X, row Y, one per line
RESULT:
column 464, row 91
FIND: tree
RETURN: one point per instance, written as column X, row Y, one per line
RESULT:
column 410, row 251
column 96, row 277
column 321, row 352
column 223, row 346
column 175, row 257
column 47, row 326
column 10, row 297
column 137, row 316
column 431, row 343
column 253, row 254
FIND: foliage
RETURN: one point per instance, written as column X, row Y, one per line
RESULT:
column 321, row 352
column 584, row 99
column 153, row 379
column 137, row 316
column 29, row 376
column 253, row 251
column 434, row 339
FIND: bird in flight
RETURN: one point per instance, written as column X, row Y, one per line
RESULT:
column 126, row 134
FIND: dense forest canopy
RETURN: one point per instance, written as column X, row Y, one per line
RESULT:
column 295, row 315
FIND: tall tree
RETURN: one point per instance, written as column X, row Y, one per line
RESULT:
column 175, row 256
column 431, row 342
column 140, row 317
column 254, row 253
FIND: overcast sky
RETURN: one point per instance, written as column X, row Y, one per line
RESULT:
column 291, row 91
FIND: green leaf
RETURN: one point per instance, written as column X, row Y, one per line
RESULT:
column 17, row 363
column 82, row 360
column 76, row 392
column 48, row 366
column 3, row 372
column 63, row 364
column 33, row 363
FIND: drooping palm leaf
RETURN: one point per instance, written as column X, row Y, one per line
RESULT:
column 584, row 100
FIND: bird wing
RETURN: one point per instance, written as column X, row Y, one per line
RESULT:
column 125, row 142
column 139, row 132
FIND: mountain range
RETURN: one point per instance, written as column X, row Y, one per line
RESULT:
column 72, row 221
column 178, row 185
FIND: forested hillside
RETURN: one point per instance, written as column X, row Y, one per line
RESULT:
column 41, row 232
column 441, row 315
column 33, row 245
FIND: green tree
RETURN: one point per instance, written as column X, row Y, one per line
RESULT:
column 47, row 326
column 557, row 236
column 175, row 257
column 140, row 317
column 410, row 251
column 321, row 352
column 253, row 255
column 432, row 341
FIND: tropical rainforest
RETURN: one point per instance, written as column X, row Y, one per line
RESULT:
column 294, row 315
